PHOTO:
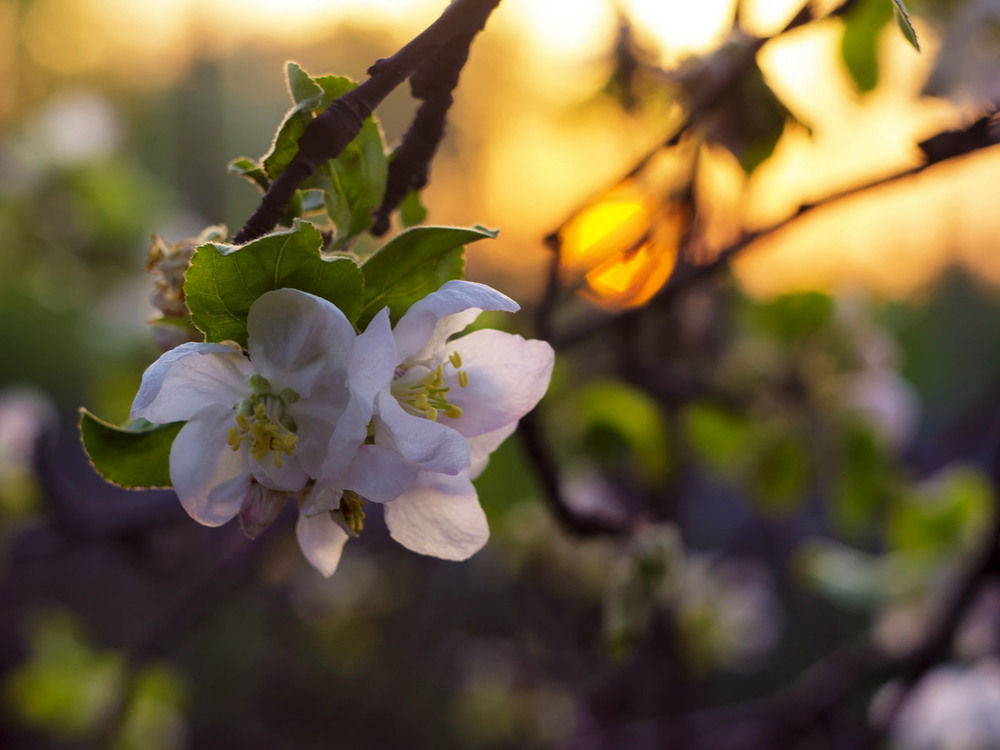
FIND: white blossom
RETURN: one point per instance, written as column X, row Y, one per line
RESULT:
column 440, row 407
column 258, row 425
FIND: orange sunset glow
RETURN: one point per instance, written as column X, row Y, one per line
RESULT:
column 528, row 168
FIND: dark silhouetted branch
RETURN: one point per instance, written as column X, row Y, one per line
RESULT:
column 432, row 83
column 336, row 126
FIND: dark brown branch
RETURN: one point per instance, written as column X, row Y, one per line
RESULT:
column 330, row 132
column 433, row 84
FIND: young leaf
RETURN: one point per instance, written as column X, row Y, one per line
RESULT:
column 134, row 457
column 411, row 210
column 244, row 166
column 413, row 264
column 859, row 44
column 905, row 24
column 223, row 281
column 352, row 184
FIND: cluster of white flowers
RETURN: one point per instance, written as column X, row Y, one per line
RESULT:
column 403, row 416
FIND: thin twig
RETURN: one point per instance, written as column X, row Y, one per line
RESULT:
column 537, row 447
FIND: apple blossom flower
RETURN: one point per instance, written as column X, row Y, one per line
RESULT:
column 441, row 406
column 258, row 425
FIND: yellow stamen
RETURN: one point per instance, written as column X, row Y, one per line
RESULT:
column 234, row 439
column 455, row 359
column 454, row 412
column 463, row 378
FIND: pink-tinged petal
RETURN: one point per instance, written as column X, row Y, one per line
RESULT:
column 190, row 378
column 374, row 358
column 433, row 445
column 294, row 337
column 380, row 475
column 260, row 509
column 321, row 540
column 211, row 480
column 426, row 326
column 440, row 517
column 508, row 376
column 481, row 446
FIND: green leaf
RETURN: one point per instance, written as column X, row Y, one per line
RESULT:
column 244, row 166
column 859, row 44
column 633, row 422
column 134, row 457
column 411, row 210
column 793, row 318
column 352, row 185
column 413, row 264
column 721, row 439
column 942, row 515
column 779, row 471
column 864, row 481
column 750, row 121
column 223, row 281
column 905, row 24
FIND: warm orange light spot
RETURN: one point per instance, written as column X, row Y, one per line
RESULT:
column 630, row 280
column 616, row 224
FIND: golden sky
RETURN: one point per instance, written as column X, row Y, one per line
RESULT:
column 537, row 149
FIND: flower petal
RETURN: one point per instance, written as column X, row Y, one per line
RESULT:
column 210, row 479
column 289, row 477
column 295, row 336
column 260, row 509
column 434, row 446
column 190, row 378
column 321, row 540
column 373, row 362
column 441, row 517
column 508, row 376
column 481, row 446
column 426, row 326
column 374, row 358
column 317, row 418
column 380, row 475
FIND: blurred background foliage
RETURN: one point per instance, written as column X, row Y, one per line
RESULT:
column 794, row 454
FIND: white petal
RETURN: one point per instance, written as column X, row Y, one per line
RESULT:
column 441, row 517
column 433, row 445
column 290, row 477
column 481, row 446
column 321, row 499
column 508, row 376
column 380, row 475
column 321, row 540
column 190, row 378
column 317, row 418
column 294, row 337
column 210, row 479
column 426, row 326
column 374, row 358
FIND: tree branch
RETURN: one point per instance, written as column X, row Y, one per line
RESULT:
column 330, row 132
